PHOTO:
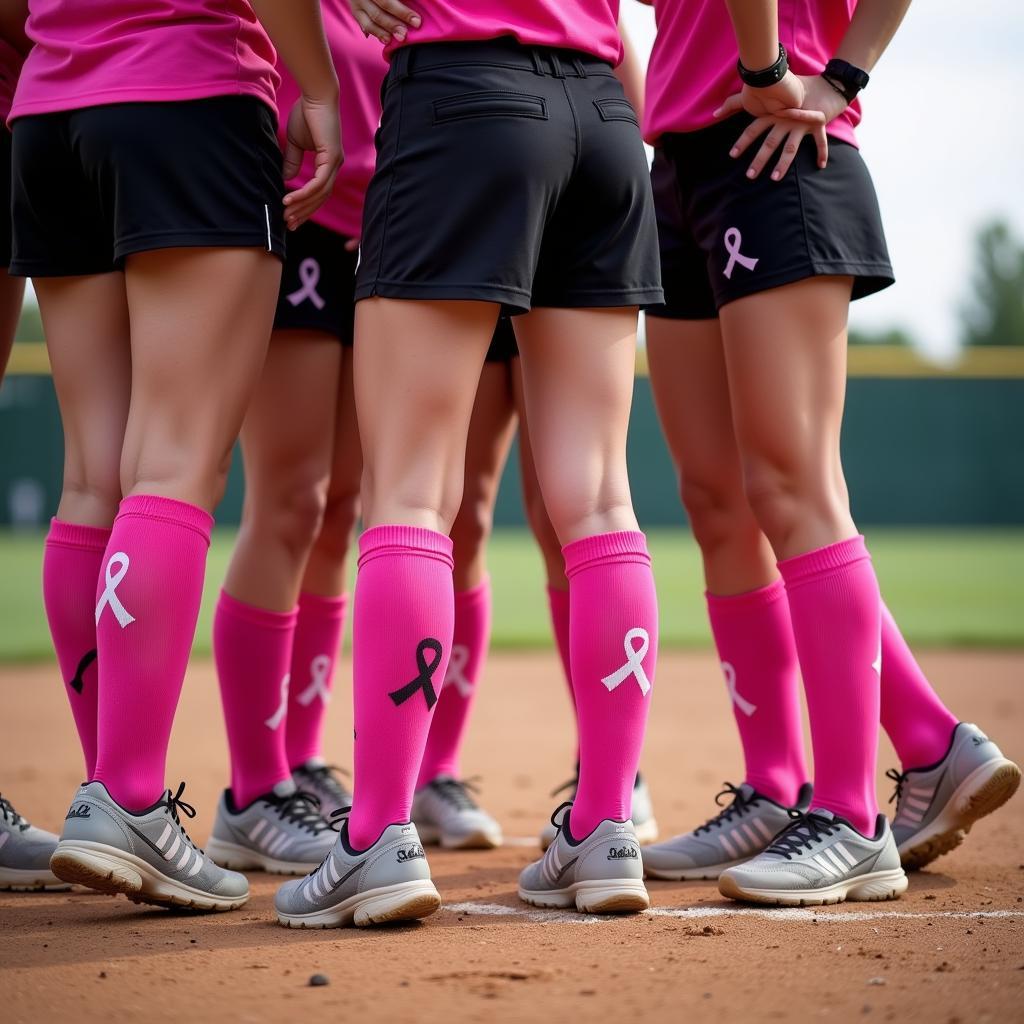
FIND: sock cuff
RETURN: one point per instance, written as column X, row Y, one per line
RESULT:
column 169, row 510
column 262, row 617
column 405, row 540
column 474, row 595
column 804, row 568
column 762, row 597
column 621, row 546
column 321, row 606
column 75, row 535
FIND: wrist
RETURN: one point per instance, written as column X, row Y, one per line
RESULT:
column 845, row 78
column 767, row 76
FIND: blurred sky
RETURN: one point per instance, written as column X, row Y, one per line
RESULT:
column 943, row 138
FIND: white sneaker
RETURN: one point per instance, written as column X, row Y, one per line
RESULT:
column 445, row 812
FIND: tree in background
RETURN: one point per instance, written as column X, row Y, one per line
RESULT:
column 995, row 313
column 889, row 336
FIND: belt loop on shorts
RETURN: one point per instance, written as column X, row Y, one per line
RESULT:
column 556, row 64
column 580, row 69
column 402, row 62
column 538, row 66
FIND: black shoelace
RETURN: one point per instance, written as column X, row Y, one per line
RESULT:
column 323, row 776
column 899, row 778
column 457, row 792
column 338, row 818
column 303, row 809
column 806, row 830
column 8, row 813
column 174, row 804
column 740, row 805
column 554, row 814
column 570, row 784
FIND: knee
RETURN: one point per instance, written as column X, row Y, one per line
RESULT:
column 718, row 510
column 90, row 496
column 786, row 496
column 472, row 527
column 291, row 518
column 340, row 514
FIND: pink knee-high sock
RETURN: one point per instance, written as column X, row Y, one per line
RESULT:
column 754, row 637
column 558, row 605
column 147, row 603
column 404, row 617
column 71, row 566
column 470, row 642
column 252, row 648
column 614, row 645
column 836, row 611
column 918, row 723
column 314, row 654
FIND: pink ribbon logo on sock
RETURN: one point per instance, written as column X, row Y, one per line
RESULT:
column 319, row 674
column 634, row 662
column 456, row 674
column 282, row 709
column 109, row 595
column 309, row 275
column 730, row 682
column 733, row 241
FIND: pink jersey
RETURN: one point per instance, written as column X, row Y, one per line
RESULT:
column 361, row 69
column 91, row 52
column 693, row 63
column 590, row 26
column 10, row 66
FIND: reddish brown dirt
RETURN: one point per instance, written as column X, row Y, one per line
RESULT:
column 927, row 957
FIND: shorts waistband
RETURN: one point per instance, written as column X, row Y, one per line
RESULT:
column 505, row 51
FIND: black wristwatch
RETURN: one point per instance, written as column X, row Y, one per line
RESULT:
column 769, row 76
column 845, row 78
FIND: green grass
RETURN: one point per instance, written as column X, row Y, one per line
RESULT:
column 946, row 587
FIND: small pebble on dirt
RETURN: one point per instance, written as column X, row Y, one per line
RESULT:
column 103, row 974
column 316, row 980
column 876, row 981
column 930, row 896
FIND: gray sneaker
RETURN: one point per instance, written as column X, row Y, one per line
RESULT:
column 25, row 853
column 642, row 814
column 601, row 874
column 740, row 831
column 321, row 779
column 147, row 856
column 820, row 858
column 282, row 832
column 937, row 805
column 388, row 882
column 445, row 812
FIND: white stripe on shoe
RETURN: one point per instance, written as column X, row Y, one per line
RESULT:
column 845, row 854
column 164, row 836
column 184, row 859
column 749, row 832
column 824, row 866
column 835, row 860
column 729, row 848
column 763, row 829
column 257, row 829
column 173, row 849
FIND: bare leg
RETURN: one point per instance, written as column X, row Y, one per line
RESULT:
column 12, row 292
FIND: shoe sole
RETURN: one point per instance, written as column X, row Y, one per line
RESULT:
column 985, row 790
column 709, row 873
column 112, row 871
column 26, row 880
column 239, row 858
column 607, row 896
column 876, row 886
column 479, row 840
column 406, row 901
column 645, row 833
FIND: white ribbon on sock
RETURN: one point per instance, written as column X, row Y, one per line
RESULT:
column 282, row 709
column 456, row 674
column 109, row 595
column 634, row 662
column 319, row 673
column 730, row 682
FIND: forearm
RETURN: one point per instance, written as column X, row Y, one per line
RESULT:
column 872, row 27
column 630, row 73
column 756, row 24
column 297, row 32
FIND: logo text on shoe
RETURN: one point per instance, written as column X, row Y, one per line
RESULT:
column 407, row 853
column 78, row 811
column 979, row 739
column 623, row 853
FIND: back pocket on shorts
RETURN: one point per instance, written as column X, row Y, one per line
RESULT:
column 614, row 109
column 489, row 104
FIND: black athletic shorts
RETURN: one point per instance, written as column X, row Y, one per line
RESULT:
column 723, row 236
column 92, row 186
column 5, row 186
column 317, row 284
column 503, row 345
column 508, row 174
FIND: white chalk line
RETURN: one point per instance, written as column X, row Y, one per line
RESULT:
column 521, row 841
column 796, row 914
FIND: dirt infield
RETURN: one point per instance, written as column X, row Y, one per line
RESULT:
column 951, row 950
